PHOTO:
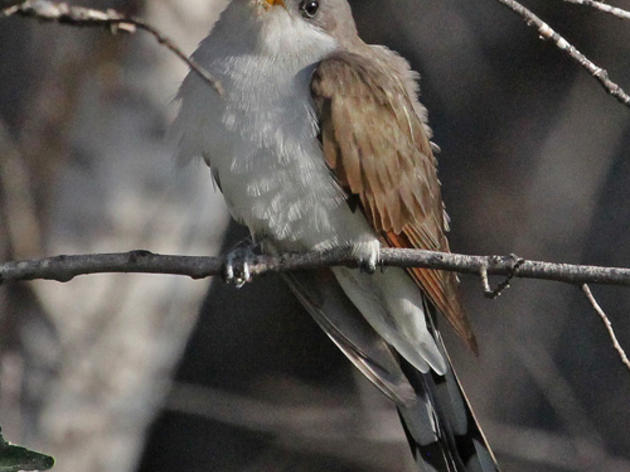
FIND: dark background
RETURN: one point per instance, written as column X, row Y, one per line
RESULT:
column 129, row 373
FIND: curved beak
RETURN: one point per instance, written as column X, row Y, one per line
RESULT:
column 272, row 3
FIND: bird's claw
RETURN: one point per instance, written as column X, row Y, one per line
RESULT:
column 236, row 268
column 369, row 256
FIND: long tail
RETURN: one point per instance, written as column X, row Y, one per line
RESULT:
column 441, row 428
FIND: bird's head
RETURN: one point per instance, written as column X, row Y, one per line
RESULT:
column 325, row 15
column 284, row 28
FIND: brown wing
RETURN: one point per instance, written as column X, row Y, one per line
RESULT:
column 376, row 145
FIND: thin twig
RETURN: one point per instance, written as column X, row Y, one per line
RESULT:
column 64, row 268
column 61, row 12
column 485, row 281
column 601, row 6
column 608, row 324
column 505, row 284
column 547, row 33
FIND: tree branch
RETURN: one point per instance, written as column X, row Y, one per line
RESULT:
column 64, row 268
column 547, row 33
column 601, row 6
column 61, row 12
column 611, row 332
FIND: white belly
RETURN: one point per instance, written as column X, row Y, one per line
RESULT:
column 264, row 152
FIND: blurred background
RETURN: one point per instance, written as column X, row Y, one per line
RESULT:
column 158, row 373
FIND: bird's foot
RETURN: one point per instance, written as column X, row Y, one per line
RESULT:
column 369, row 255
column 236, row 268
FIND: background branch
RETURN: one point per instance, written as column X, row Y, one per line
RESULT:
column 61, row 12
column 611, row 332
column 601, row 6
column 547, row 33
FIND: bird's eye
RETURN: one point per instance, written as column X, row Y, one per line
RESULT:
column 309, row 8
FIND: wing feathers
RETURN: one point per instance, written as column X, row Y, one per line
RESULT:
column 377, row 145
column 322, row 296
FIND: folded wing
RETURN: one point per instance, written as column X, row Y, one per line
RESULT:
column 377, row 147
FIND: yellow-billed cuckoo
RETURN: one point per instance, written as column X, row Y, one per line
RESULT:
column 320, row 142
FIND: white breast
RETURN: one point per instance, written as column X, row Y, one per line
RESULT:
column 274, row 176
column 261, row 138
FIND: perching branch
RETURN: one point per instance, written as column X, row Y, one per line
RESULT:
column 622, row 354
column 601, row 6
column 63, row 13
column 547, row 33
column 64, row 268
